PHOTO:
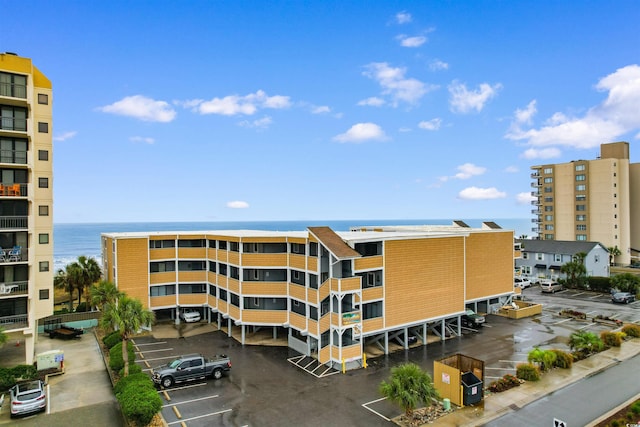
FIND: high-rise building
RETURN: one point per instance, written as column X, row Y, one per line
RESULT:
column 26, row 199
column 590, row 200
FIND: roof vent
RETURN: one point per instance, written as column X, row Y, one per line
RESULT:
column 11, row 53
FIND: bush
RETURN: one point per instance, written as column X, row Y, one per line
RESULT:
column 112, row 339
column 599, row 284
column 505, row 383
column 82, row 307
column 9, row 376
column 116, row 361
column 612, row 339
column 635, row 407
column 140, row 403
column 632, row 331
column 134, row 368
column 563, row 360
column 528, row 372
column 139, row 380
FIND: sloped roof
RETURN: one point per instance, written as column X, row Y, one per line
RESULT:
column 334, row 243
column 568, row 247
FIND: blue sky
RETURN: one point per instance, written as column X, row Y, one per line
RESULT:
column 239, row 110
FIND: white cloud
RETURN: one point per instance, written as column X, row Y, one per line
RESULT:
column 475, row 193
column 262, row 123
column 437, row 65
column 395, row 84
column 403, row 17
column 468, row 170
column 415, row 41
column 525, row 116
column 232, row 105
column 524, row 198
column 608, row 121
column 65, row 136
column 362, row 132
column 433, row 124
column 143, row 108
column 463, row 100
column 374, row 101
column 237, row 204
column 512, row 169
column 322, row 109
column 146, row 140
column 544, row 153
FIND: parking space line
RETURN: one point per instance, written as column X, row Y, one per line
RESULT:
column 375, row 412
column 151, row 343
column 192, row 400
column 155, row 351
column 160, row 358
column 183, row 387
column 563, row 321
column 200, row 416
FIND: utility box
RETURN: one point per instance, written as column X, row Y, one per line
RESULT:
column 52, row 359
column 471, row 389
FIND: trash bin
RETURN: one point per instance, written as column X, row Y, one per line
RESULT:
column 471, row 389
column 446, row 404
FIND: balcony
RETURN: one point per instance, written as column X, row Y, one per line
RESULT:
column 13, row 124
column 13, row 190
column 9, row 323
column 535, row 193
column 536, row 184
column 13, row 90
column 14, row 222
column 535, row 174
column 536, row 220
column 12, row 289
column 536, row 202
column 535, row 211
column 16, row 157
column 536, row 229
column 15, row 255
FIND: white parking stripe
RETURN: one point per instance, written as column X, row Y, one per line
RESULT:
column 377, row 413
column 200, row 416
column 158, row 358
column 184, row 387
column 192, row 400
column 155, row 351
column 152, row 343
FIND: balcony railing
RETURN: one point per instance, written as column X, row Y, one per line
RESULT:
column 535, row 174
column 13, row 156
column 535, row 193
column 13, row 222
column 14, row 322
column 10, row 256
column 536, row 220
column 536, row 229
column 13, row 90
column 10, row 123
column 13, row 190
column 535, row 211
column 536, row 202
column 11, row 289
column 536, row 184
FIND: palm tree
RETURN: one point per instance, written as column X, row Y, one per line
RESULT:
column 67, row 279
column 587, row 342
column 575, row 272
column 89, row 274
column 103, row 294
column 544, row 358
column 408, row 386
column 613, row 252
column 127, row 315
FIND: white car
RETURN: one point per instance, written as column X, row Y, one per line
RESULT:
column 521, row 282
column 190, row 316
column 27, row 398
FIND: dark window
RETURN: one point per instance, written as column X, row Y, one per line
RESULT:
column 13, row 118
column 43, row 238
column 193, row 243
column 44, row 265
column 222, row 269
column 234, row 247
column 43, row 182
column 297, row 277
column 234, row 272
column 325, row 339
column 43, row 155
column 223, row 294
column 13, row 150
column 43, row 99
column 222, row 245
column 212, row 290
column 43, row 210
column 162, row 266
column 192, row 288
column 313, row 281
column 212, row 244
column 297, row 248
column 581, row 207
column 369, row 248
column 313, row 312
column 192, row 265
column 235, row 299
column 212, row 266
column 43, row 127
column 13, row 85
column 159, row 244
column 313, row 249
column 324, row 306
column 160, row 291
column 372, row 310
column 44, row 294
column 298, row 307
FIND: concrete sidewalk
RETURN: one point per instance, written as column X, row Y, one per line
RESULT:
column 498, row 404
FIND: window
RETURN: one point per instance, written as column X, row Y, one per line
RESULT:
column 234, row 272
column 548, row 189
column 212, row 244
column 43, row 155
column 548, row 180
column 298, row 307
column 581, row 177
column 158, row 244
column 557, row 257
column 313, row 312
column 223, row 294
column 581, row 227
column 581, row 187
column 43, row 182
column 212, row 266
column 372, row 310
column 581, row 208
column 161, row 291
column 297, row 277
column 581, row 217
column 313, row 249
column 539, row 257
column 548, row 208
column 162, row 266
column 192, row 243
column 43, row 127
column 548, row 171
column 596, row 258
column 191, row 265
column 222, row 245
column 525, row 269
column 13, row 118
column 581, row 237
column 234, row 247
column 297, row 248
column 192, row 288
column 43, row 238
column 43, row 210
column 548, row 217
column 234, row 299
column 313, row 281
column 548, row 237
column 525, row 255
column 44, row 265
column 43, row 99
column 13, row 150
column 43, row 294
column 548, row 227
column 548, row 199
column 579, row 168
column 13, row 85
column 581, row 197
column 222, row 269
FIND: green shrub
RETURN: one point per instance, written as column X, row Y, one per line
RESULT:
column 632, row 331
column 563, row 360
column 115, row 356
column 25, row 372
column 615, row 423
column 140, row 404
column 112, row 339
column 528, row 372
column 134, row 368
column 82, row 307
column 138, row 380
column 635, row 407
column 544, row 358
column 7, row 378
column 611, row 339
column 599, row 284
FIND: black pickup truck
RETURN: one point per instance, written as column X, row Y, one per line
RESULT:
column 189, row 368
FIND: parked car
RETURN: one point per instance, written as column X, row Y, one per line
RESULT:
column 521, row 282
column 623, row 297
column 472, row 319
column 28, row 397
column 550, row 286
column 190, row 316
column 190, row 367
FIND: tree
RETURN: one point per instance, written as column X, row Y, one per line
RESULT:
column 626, row 282
column 89, row 274
column 408, row 386
column 103, row 294
column 126, row 316
column 67, row 279
column 613, row 252
column 586, row 342
column 575, row 271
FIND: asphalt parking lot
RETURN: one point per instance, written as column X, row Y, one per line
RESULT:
column 264, row 389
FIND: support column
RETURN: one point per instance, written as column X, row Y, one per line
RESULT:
column 443, row 333
column 242, row 329
column 219, row 321
column 424, row 334
column 29, row 349
column 229, row 326
column 386, row 342
column 275, row 332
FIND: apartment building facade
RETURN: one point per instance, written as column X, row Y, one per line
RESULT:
column 333, row 293
column 590, row 200
column 26, row 198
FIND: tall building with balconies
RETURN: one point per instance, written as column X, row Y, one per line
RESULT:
column 26, row 199
column 590, row 200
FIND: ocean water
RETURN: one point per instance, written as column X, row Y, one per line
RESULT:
column 73, row 240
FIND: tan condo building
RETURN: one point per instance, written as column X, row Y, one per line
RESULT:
column 590, row 200
column 331, row 294
column 26, row 198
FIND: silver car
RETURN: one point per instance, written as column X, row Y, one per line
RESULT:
column 28, row 397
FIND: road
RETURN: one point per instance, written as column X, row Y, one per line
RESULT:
column 582, row 402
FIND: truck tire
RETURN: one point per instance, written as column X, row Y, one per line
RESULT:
column 167, row 382
column 217, row 373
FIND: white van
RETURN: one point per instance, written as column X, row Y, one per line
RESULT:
column 550, row 286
